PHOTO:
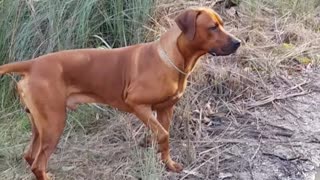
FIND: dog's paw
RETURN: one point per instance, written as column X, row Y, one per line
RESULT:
column 173, row 166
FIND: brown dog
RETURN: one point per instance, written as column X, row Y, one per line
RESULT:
column 138, row 79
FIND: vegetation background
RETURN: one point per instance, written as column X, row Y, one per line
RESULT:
column 252, row 115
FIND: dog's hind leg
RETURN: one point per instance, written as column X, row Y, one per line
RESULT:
column 50, row 129
column 29, row 155
column 48, row 115
column 34, row 143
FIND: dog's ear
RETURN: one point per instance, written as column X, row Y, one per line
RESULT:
column 186, row 21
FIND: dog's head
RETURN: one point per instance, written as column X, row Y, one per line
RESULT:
column 203, row 28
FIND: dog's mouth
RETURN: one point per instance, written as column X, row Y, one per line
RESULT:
column 230, row 48
column 212, row 53
column 223, row 51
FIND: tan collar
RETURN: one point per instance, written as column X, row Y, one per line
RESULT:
column 166, row 59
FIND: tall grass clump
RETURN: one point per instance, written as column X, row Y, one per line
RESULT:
column 32, row 28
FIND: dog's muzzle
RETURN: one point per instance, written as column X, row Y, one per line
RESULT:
column 230, row 48
column 235, row 44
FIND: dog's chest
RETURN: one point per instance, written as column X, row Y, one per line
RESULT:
column 176, row 93
column 181, row 87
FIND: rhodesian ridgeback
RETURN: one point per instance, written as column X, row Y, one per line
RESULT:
column 138, row 79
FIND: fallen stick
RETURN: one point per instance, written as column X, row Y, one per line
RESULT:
column 275, row 98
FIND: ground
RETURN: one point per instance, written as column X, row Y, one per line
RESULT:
column 277, row 139
column 253, row 115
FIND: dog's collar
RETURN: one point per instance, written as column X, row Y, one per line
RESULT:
column 166, row 59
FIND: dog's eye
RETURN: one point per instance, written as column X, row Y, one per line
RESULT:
column 213, row 28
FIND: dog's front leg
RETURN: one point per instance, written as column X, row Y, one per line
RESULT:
column 160, row 130
column 165, row 116
column 144, row 113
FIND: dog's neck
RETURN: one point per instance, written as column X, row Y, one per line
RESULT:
column 190, row 53
column 179, row 49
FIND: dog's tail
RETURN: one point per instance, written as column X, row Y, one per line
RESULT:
column 21, row 68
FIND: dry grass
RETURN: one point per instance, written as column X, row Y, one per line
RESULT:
column 216, row 121
column 218, row 131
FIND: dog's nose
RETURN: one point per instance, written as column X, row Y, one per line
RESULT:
column 236, row 43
